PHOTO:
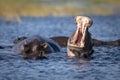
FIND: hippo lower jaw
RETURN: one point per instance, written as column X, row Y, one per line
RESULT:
column 78, row 52
column 83, row 51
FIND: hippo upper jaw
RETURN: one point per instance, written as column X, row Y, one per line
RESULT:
column 78, row 52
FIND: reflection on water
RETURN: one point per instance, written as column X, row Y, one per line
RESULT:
column 104, row 63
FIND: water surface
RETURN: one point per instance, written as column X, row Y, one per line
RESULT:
column 104, row 64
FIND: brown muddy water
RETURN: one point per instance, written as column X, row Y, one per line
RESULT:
column 103, row 65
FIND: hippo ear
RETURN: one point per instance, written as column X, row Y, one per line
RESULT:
column 44, row 45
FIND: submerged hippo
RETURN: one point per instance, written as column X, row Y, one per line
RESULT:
column 35, row 47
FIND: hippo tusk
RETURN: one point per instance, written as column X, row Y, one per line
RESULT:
column 42, row 53
column 83, row 38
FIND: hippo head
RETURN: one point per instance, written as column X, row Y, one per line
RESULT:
column 79, row 44
column 34, row 49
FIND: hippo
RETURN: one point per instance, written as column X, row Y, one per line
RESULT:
column 80, row 42
column 35, row 47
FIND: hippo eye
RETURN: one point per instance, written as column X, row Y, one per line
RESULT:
column 44, row 45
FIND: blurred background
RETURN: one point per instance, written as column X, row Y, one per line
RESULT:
column 10, row 8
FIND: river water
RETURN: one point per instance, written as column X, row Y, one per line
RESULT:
column 103, row 65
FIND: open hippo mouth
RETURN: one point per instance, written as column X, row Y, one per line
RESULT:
column 80, row 41
column 79, row 36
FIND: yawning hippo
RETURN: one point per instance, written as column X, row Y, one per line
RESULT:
column 80, row 43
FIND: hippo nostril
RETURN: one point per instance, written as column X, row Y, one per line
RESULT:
column 41, row 54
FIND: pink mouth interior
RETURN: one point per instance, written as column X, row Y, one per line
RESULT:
column 76, row 38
